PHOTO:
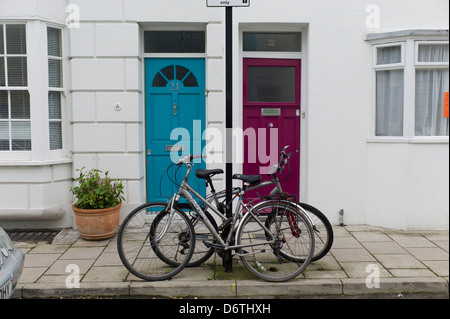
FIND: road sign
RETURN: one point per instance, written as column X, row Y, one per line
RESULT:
column 227, row 3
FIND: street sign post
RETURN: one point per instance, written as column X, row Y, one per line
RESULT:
column 227, row 3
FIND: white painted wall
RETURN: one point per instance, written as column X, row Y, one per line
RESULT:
column 400, row 185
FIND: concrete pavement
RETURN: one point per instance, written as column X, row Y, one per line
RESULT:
column 363, row 260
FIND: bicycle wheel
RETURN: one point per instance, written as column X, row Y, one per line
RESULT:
column 273, row 253
column 138, row 233
column 323, row 231
column 201, row 252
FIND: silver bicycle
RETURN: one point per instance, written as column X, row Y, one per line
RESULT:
column 323, row 230
column 274, row 247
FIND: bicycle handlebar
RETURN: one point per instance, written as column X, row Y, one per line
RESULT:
column 188, row 159
column 283, row 158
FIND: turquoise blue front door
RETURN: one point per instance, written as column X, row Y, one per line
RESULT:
column 175, row 121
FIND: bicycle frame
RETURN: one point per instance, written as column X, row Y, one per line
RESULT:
column 277, row 190
column 185, row 190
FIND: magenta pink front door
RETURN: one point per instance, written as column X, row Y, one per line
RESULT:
column 271, row 118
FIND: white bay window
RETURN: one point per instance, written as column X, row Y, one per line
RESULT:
column 431, row 83
column 389, row 90
column 55, row 87
column 32, row 98
column 411, row 77
column 15, row 132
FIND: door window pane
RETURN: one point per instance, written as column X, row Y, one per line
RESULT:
column 174, row 42
column 274, row 42
column 271, row 84
column 389, row 103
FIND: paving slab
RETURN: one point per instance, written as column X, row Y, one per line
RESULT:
column 378, row 247
column 399, row 261
column 429, row 253
column 412, row 240
column 352, row 254
column 82, row 253
column 363, row 269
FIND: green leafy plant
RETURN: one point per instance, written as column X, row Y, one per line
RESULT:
column 94, row 192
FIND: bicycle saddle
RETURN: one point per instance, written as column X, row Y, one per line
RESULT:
column 207, row 173
column 251, row 179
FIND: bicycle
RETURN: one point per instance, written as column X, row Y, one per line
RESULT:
column 322, row 227
column 267, row 252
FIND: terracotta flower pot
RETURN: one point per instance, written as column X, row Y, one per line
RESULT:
column 97, row 224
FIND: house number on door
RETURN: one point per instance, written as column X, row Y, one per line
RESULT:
column 174, row 86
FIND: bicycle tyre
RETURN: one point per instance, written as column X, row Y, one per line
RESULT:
column 261, row 262
column 322, row 229
column 137, row 234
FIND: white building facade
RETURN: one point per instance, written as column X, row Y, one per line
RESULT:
column 86, row 84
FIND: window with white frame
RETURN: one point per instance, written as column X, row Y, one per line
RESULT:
column 389, row 90
column 431, row 82
column 15, row 121
column 54, row 50
column 427, row 66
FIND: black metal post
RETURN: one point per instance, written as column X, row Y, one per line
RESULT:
column 229, row 102
column 229, row 121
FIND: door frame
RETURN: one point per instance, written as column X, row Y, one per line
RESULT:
column 168, row 57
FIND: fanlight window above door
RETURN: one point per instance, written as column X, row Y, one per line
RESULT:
column 174, row 72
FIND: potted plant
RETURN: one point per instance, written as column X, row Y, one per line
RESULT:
column 98, row 203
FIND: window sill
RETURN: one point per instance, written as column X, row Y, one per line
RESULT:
column 413, row 140
column 65, row 160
